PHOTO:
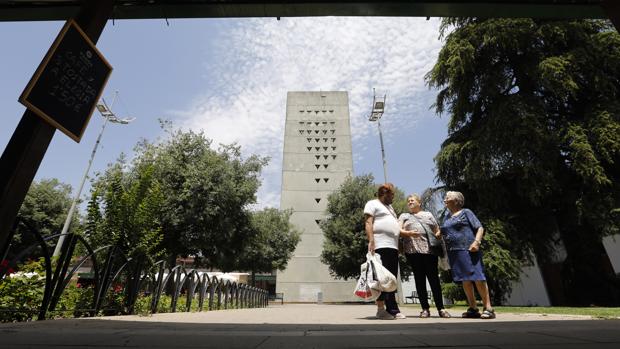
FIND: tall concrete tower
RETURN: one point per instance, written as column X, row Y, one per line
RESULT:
column 317, row 159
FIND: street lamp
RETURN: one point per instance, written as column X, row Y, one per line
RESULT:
column 108, row 115
column 378, row 107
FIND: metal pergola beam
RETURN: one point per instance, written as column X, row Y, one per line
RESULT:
column 26, row 10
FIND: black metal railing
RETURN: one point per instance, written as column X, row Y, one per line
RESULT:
column 134, row 277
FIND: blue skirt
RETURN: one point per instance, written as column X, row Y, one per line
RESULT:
column 466, row 266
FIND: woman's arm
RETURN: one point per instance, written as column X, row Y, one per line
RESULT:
column 474, row 222
column 475, row 246
column 410, row 233
column 407, row 233
column 370, row 234
column 437, row 232
column 435, row 227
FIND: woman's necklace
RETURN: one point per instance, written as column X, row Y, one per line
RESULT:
column 390, row 209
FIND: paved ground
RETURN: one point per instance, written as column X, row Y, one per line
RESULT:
column 312, row 326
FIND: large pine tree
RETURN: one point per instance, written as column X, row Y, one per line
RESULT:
column 534, row 141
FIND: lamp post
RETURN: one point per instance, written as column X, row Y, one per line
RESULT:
column 108, row 115
column 378, row 107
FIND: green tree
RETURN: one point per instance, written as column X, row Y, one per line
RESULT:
column 44, row 209
column 180, row 196
column 125, row 210
column 206, row 195
column 271, row 242
column 534, row 142
column 345, row 245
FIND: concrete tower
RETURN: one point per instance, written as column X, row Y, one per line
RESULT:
column 317, row 159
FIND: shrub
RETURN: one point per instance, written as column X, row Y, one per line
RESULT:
column 21, row 293
column 76, row 301
column 453, row 292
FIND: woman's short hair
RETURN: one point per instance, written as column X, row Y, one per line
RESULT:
column 416, row 197
column 457, row 196
column 384, row 189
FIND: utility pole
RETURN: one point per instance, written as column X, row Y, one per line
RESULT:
column 108, row 115
column 378, row 107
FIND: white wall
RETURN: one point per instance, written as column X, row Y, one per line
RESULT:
column 612, row 245
column 530, row 289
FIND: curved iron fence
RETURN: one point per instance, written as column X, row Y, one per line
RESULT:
column 136, row 279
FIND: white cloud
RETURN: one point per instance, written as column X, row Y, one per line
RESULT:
column 259, row 60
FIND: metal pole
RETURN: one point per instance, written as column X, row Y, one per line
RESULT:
column 382, row 152
column 65, row 228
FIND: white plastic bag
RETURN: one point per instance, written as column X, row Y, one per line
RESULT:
column 363, row 289
column 385, row 280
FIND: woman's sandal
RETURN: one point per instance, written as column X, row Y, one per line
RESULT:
column 444, row 314
column 488, row 314
column 471, row 313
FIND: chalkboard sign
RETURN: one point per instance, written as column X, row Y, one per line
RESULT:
column 68, row 83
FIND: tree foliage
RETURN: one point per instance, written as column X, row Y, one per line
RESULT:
column 534, row 139
column 125, row 210
column 345, row 245
column 196, row 198
column 207, row 193
column 45, row 210
column 271, row 242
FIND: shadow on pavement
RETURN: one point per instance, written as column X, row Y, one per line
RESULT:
column 101, row 333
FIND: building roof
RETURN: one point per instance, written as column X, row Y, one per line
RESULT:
column 29, row 10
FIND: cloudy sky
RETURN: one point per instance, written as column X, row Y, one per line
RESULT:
column 230, row 79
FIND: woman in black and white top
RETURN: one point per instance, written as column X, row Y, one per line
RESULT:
column 415, row 226
column 382, row 230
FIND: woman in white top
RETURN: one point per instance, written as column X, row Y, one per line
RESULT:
column 382, row 231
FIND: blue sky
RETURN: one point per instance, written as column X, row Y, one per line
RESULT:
column 229, row 77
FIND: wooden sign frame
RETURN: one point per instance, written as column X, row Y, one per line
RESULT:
column 38, row 86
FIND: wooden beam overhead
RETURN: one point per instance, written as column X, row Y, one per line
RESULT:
column 27, row 10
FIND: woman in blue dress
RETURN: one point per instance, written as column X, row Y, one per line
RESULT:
column 462, row 233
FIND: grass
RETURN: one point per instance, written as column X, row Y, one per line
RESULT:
column 595, row 312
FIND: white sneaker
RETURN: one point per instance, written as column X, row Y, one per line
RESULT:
column 382, row 314
column 400, row 316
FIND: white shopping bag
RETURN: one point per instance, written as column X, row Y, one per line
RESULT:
column 363, row 289
column 385, row 280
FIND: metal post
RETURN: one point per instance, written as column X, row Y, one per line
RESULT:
column 378, row 108
column 382, row 152
column 24, row 153
column 65, row 227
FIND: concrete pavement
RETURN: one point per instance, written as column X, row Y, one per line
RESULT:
column 313, row 326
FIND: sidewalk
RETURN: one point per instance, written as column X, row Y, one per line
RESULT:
column 312, row 326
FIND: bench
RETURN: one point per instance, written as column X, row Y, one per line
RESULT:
column 414, row 296
column 276, row 296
